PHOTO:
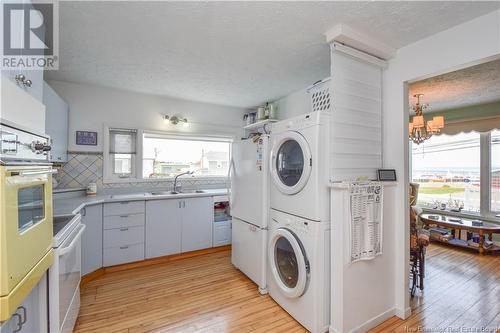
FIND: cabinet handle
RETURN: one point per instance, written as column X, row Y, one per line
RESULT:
column 124, row 202
column 180, row 203
column 19, row 323
column 123, row 247
column 84, row 212
column 183, row 204
column 123, row 216
column 25, row 315
column 123, row 229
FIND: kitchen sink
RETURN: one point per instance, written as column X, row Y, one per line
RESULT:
column 174, row 192
column 164, row 193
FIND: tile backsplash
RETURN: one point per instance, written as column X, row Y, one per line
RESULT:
column 84, row 168
column 80, row 170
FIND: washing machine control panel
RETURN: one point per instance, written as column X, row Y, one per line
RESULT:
column 297, row 226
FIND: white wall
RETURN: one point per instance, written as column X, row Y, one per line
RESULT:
column 92, row 107
column 295, row 104
column 449, row 50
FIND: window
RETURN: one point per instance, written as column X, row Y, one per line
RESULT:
column 495, row 170
column 122, row 143
column 459, row 171
column 447, row 167
column 165, row 156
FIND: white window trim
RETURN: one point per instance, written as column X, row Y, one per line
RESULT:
column 108, row 178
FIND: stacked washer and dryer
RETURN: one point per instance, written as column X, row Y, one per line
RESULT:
column 280, row 203
column 298, row 251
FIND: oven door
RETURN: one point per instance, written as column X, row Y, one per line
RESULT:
column 64, row 277
column 26, row 221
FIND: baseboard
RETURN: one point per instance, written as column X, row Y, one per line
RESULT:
column 91, row 276
column 375, row 321
column 149, row 262
column 403, row 313
column 332, row 330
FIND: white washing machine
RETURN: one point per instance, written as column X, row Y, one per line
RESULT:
column 299, row 268
column 299, row 166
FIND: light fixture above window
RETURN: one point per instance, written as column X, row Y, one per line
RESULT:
column 174, row 120
column 420, row 129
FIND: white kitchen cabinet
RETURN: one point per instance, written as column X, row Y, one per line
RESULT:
column 56, row 123
column 123, row 254
column 178, row 225
column 163, row 227
column 197, row 218
column 35, row 75
column 21, row 108
column 123, row 236
column 92, row 238
column 32, row 316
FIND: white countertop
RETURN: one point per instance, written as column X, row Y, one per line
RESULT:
column 73, row 205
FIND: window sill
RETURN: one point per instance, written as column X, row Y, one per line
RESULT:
column 467, row 215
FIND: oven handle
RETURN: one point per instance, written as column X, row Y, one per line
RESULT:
column 70, row 247
column 35, row 173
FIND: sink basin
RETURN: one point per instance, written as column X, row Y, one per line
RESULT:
column 174, row 192
column 164, row 193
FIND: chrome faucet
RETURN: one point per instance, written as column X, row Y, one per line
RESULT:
column 177, row 188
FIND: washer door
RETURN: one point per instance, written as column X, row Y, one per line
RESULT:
column 291, row 162
column 288, row 261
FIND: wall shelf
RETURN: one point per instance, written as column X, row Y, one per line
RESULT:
column 260, row 124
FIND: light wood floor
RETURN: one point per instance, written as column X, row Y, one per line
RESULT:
column 206, row 294
column 462, row 291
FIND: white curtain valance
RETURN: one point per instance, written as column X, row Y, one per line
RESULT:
column 483, row 124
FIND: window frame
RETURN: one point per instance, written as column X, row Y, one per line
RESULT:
column 190, row 137
column 137, row 172
column 485, row 169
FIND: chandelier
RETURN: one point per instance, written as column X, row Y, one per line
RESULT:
column 420, row 129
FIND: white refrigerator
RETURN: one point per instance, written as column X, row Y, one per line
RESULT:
column 250, row 208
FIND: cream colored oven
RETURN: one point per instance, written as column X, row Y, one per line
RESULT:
column 25, row 215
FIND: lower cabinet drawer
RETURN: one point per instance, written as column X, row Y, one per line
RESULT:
column 123, row 236
column 120, row 221
column 123, row 254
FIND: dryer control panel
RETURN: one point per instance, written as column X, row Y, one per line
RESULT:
column 301, row 122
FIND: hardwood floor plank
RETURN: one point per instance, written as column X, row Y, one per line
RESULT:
column 207, row 294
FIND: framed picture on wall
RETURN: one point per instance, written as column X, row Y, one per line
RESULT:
column 86, row 138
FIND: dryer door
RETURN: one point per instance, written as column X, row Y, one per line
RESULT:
column 288, row 262
column 291, row 162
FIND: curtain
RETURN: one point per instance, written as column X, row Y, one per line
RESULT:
column 484, row 124
column 122, row 141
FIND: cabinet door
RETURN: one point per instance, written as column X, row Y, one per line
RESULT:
column 56, row 123
column 18, row 42
column 163, row 227
column 92, row 239
column 32, row 316
column 21, row 108
column 197, row 218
